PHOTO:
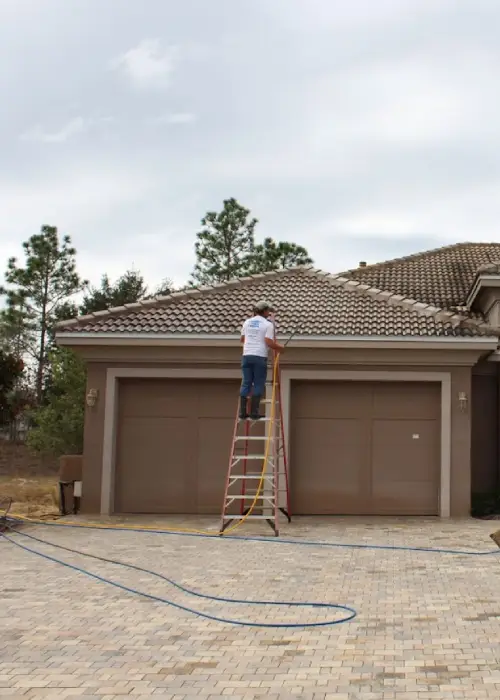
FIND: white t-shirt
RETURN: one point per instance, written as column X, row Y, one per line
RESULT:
column 256, row 330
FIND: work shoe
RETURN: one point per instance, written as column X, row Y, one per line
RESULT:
column 243, row 408
column 254, row 408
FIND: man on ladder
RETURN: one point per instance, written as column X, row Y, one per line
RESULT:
column 257, row 481
column 257, row 336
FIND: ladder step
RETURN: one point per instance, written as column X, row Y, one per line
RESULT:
column 250, row 497
column 263, row 419
column 254, row 437
column 248, row 517
column 252, row 476
column 267, row 479
column 250, row 494
column 238, row 488
column 240, row 457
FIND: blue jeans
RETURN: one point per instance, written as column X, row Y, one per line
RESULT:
column 254, row 370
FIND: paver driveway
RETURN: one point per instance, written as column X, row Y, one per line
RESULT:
column 428, row 625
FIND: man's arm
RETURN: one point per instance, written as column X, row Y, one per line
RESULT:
column 242, row 336
column 270, row 342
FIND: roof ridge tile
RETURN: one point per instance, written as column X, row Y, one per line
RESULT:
column 418, row 307
column 489, row 266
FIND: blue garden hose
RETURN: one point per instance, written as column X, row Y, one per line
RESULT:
column 278, row 541
column 351, row 613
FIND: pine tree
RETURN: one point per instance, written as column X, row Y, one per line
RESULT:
column 224, row 244
column 269, row 255
column 128, row 288
column 36, row 292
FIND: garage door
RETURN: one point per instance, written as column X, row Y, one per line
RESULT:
column 365, row 448
column 173, row 444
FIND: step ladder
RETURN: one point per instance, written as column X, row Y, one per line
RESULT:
column 246, row 464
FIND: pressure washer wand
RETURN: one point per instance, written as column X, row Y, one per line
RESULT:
column 289, row 339
column 291, row 335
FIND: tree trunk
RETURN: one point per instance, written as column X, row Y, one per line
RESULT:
column 43, row 335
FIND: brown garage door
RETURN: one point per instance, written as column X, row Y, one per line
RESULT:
column 173, row 444
column 365, row 448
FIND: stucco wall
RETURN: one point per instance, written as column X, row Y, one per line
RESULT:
column 485, row 427
column 93, row 440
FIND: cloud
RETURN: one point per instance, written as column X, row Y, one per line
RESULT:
column 173, row 118
column 74, row 127
column 360, row 130
column 147, row 64
column 73, row 198
column 82, row 203
column 181, row 118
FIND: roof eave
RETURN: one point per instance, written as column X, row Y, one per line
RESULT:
column 75, row 338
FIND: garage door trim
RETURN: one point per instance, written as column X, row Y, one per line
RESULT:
column 287, row 376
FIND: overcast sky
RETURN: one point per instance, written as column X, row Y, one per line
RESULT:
column 363, row 130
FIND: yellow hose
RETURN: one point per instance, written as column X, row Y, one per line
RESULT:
column 191, row 531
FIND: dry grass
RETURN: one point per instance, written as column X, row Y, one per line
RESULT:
column 31, row 496
column 28, row 479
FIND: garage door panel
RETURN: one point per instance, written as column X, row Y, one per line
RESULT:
column 217, row 399
column 408, row 498
column 329, row 400
column 405, row 448
column 333, row 456
column 213, row 449
column 406, row 400
column 154, row 398
column 404, row 467
column 148, row 477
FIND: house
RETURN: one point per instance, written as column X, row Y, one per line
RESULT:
column 390, row 388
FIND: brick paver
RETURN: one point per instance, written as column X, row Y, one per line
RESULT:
column 427, row 625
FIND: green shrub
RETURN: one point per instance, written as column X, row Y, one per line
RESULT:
column 58, row 424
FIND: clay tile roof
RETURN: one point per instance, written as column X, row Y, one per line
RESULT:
column 442, row 277
column 308, row 302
